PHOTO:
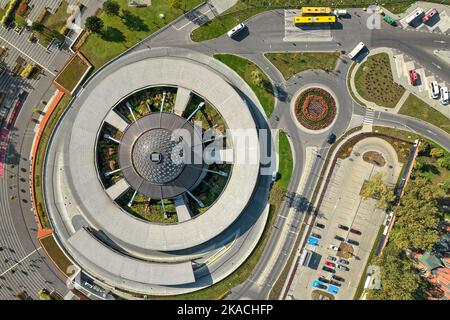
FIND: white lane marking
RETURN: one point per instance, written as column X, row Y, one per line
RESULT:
column 23, row 259
column 201, row 16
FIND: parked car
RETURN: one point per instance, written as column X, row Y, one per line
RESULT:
column 333, row 247
column 325, row 280
column 331, row 138
column 434, row 88
column 320, row 225
column 444, row 95
column 315, row 235
column 343, row 261
column 335, row 283
column 337, row 278
column 341, row 226
column 355, row 231
column 331, row 258
column 413, row 77
column 330, row 264
column 339, row 266
column 339, row 238
column 429, row 14
column 236, row 30
column 318, row 285
column 328, row 269
column 353, row 242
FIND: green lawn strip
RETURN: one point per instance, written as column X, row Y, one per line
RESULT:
column 224, row 22
column 286, row 161
column 58, row 257
column 398, row 7
column 374, row 82
column 417, row 108
column 120, row 34
column 39, row 159
column 360, row 288
column 291, row 63
column 222, row 288
column 349, row 87
column 244, row 68
column 72, row 73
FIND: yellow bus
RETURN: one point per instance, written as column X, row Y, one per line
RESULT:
column 315, row 10
column 319, row 19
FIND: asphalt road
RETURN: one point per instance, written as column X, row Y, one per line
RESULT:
column 266, row 32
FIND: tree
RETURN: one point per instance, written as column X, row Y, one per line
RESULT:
column 375, row 188
column 399, row 278
column 94, row 24
column 417, row 216
column 437, row 152
column 37, row 27
column 111, row 8
column 444, row 162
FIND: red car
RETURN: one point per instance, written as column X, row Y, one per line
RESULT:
column 330, row 264
column 413, row 77
column 429, row 14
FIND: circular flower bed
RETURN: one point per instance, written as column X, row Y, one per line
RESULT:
column 315, row 108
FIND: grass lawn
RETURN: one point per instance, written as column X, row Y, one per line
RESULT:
column 291, row 63
column 417, row 108
column 120, row 33
column 53, row 250
column 72, row 73
column 286, row 161
column 39, row 159
column 244, row 68
column 374, row 82
column 399, row 7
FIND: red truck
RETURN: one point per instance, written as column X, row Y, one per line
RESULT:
column 429, row 14
column 413, row 76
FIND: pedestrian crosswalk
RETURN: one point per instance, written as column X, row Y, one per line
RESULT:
column 368, row 117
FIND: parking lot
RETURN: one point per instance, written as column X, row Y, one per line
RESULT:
column 342, row 205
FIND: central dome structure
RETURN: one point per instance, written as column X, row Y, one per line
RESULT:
column 158, row 157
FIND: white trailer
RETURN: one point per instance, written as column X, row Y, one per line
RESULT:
column 416, row 13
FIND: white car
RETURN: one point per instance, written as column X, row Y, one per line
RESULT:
column 333, row 247
column 236, row 29
column 434, row 87
column 444, row 95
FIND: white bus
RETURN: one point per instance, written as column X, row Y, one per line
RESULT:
column 414, row 15
column 357, row 50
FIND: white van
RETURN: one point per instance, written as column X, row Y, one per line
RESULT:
column 444, row 95
column 236, row 29
column 434, row 87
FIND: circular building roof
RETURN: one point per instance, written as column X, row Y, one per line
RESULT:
column 157, row 155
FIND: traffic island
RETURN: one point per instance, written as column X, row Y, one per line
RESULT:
column 315, row 108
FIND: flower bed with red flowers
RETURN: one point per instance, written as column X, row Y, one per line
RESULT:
column 315, row 108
